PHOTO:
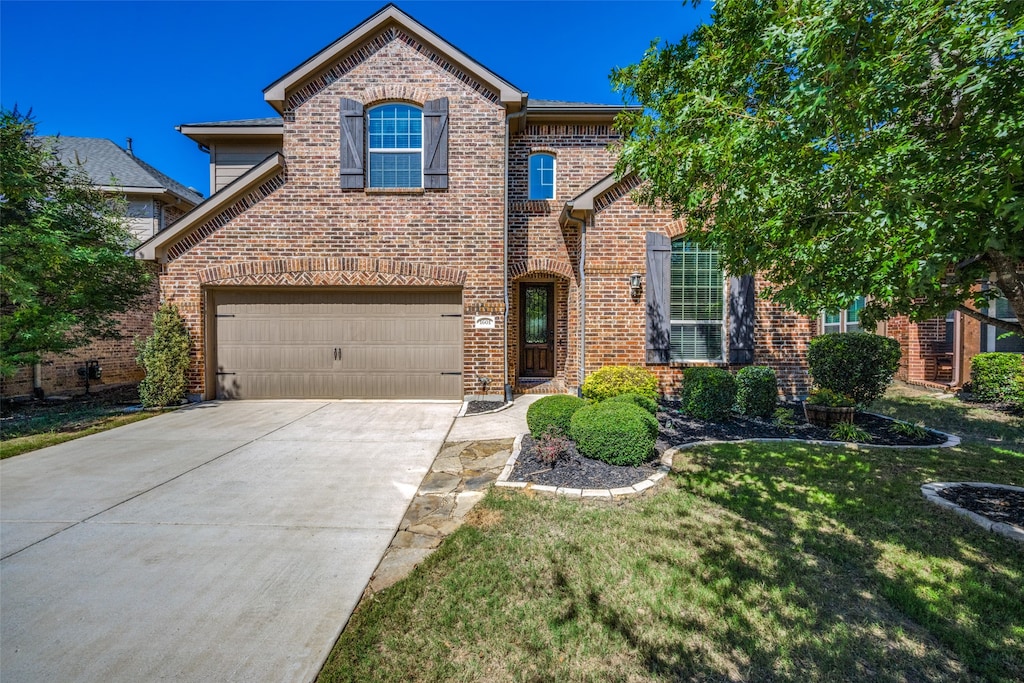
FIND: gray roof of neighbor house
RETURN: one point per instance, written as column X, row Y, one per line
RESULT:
column 107, row 165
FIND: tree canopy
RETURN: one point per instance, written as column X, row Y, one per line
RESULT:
column 64, row 266
column 862, row 147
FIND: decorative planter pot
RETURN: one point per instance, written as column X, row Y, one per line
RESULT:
column 826, row 416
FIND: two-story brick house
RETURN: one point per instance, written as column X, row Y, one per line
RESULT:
column 412, row 225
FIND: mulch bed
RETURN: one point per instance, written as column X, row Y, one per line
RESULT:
column 475, row 407
column 576, row 471
column 996, row 504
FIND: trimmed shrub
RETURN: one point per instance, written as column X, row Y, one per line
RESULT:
column 615, row 432
column 757, row 391
column 708, row 393
column 552, row 412
column 613, row 380
column 648, row 404
column 856, row 364
column 998, row 377
column 164, row 356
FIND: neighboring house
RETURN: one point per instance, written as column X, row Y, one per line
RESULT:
column 413, row 225
column 938, row 352
column 155, row 202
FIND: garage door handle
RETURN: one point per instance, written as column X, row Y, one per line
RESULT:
column 337, row 354
column 451, row 373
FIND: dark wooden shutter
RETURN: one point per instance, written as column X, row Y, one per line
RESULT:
column 435, row 144
column 659, row 280
column 353, row 141
column 741, row 320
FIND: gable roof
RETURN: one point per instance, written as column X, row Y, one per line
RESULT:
column 155, row 248
column 276, row 92
column 112, row 168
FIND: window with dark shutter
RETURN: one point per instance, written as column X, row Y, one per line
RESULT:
column 741, row 320
column 352, row 144
column 659, row 263
column 435, row 144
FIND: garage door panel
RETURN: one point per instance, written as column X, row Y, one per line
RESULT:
column 392, row 344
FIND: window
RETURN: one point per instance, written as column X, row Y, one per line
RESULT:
column 846, row 320
column 696, row 303
column 996, row 338
column 542, row 176
column 395, row 146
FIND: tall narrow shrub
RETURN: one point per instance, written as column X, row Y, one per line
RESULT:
column 164, row 356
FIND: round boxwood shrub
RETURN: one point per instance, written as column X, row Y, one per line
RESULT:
column 552, row 412
column 615, row 432
column 708, row 393
column 998, row 377
column 648, row 404
column 860, row 365
column 757, row 391
column 613, row 380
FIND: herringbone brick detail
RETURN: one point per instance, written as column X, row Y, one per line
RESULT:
column 356, row 57
column 333, row 271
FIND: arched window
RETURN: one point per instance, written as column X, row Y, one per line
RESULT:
column 697, row 303
column 395, row 146
column 542, row 176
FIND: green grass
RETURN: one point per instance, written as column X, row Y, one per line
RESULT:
column 56, row 432
column 751, row 562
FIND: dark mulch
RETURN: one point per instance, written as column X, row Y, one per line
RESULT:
column 678, row 429
column 577, row 471
column 64, row 413
column 998, row 505
column 482, row 406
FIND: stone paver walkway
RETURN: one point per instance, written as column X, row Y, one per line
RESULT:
column 457, row 480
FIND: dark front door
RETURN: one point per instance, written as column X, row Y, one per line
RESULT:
column 537, row 330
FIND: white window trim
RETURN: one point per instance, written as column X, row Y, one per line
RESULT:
column 993, row 332
column 392, row 150
column 843, row 323
column 554, row 177
column 721, row 360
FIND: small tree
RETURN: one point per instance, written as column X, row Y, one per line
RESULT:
column 855, row 364
column 66, row 270
column 164, row 356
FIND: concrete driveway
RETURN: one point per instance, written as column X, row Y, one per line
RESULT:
column 223, row 542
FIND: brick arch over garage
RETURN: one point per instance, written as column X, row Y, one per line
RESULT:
column 536, row 266
column 366, row 272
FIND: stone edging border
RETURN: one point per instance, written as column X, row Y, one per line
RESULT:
column 666, row 465
column 931, row 492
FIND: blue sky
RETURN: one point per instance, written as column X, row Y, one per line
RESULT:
column 138, row 69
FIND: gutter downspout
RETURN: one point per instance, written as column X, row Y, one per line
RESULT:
column 583, row 294
column 504, row 240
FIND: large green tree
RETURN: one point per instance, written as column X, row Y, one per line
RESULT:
column 844, row 148
column 64, row 266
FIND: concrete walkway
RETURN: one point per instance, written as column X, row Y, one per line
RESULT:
column 228, row 541
column 477, row 448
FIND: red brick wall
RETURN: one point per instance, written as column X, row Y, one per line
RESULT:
column 309, row 217
column 116, row 358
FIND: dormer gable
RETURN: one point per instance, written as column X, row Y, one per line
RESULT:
column 326, row 66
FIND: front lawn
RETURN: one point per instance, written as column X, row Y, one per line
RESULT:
column 751, row 562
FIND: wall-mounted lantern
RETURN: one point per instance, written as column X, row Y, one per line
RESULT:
column 634, row 285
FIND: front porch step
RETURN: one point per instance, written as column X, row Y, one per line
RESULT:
column 541, row 385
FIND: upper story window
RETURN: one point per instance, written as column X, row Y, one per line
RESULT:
column 846, row 320
column 542, row 176
column 697, row 303
column 395, row 146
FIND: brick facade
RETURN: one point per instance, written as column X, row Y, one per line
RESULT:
column 331, row 236
column 116, row 357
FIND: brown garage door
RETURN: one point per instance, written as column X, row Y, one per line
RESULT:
column 338, row 344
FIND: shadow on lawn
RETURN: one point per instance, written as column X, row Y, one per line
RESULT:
column 861, row 514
